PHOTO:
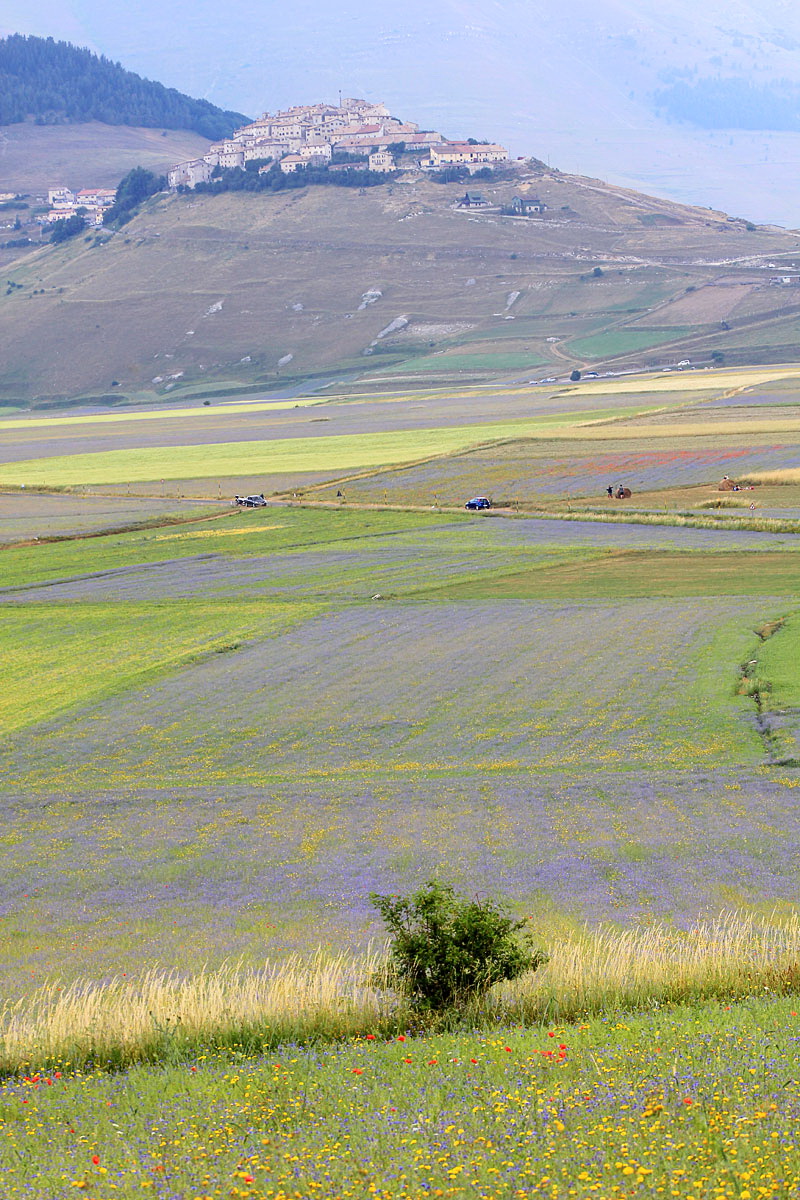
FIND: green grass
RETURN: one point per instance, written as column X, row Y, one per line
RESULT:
column 489, row 361
column 242, row 532
column 623, row 341
column 54, row 658
column 698, row 1101
column 779, row 662
column 639, row 573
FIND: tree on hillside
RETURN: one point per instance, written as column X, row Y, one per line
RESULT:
column 67, row 228
column 136, row 187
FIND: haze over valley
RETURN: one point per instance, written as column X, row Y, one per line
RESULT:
column 694, row 104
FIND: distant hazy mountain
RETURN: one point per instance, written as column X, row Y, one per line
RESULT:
column 699, row 101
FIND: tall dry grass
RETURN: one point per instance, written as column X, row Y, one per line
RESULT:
column 688, row 520
column 163, row 1016
column 787, row 475
column 607, row 970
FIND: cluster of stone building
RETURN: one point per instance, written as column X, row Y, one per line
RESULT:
column 312, row 134
column 90, row 203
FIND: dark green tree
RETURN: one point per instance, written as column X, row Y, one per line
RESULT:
column 67, row 228
column 447, row 951
column 134, row 188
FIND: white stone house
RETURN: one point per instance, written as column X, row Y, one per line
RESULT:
column 60, row 197
column 467, row 154
column 268, row 148
column 231, row 156
column 381, row 160
column 292, row 163
column 190, row 173
column 96, row 197
column 321, row 151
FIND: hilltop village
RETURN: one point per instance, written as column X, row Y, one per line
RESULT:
column 353, row 135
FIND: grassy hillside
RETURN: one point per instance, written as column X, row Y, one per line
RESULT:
column 243, row 291
column 36, row 157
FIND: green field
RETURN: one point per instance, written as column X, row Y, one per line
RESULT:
column 84, row 655
column 304, row 675
column 644, row 573
column 334, row 455
column 623, row 341
column 778, row 662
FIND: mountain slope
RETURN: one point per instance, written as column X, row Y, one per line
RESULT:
column 241, row 290
column 53, row 82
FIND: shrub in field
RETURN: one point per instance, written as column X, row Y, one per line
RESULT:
column 446, row 950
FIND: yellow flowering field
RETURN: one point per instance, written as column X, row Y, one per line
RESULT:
column 694, row 1102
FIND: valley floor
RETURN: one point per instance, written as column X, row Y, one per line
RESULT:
column 222, row 728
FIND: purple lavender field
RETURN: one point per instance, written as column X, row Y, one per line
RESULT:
column 110, row 881
column 590, row 760
column 523, row 470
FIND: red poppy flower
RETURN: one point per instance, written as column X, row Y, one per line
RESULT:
column 96, row 1159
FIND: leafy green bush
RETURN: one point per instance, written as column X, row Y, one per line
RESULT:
column 446, row 951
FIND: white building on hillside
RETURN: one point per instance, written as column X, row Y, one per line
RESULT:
column 467, row 154
column 382, row 160
column 60, row 197
column 189, row 174
column 262, row 150
column 292, row 163
column 231, row 156
column 96, row 197
column 314, row 132
column 321, row 152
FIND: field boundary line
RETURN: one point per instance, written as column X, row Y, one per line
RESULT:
column 50, row 539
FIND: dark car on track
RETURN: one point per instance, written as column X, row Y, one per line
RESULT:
column 478, row 502
column 250, row 501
